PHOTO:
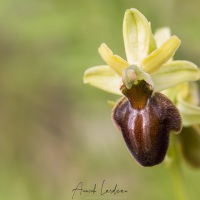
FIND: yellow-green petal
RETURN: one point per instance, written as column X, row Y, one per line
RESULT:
column 103, row 77
column 173, row 73
column 117, row 63
column 190, row 113
column 138, row 38
column 161, row 55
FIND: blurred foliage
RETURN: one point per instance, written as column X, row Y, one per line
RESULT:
column 55, row 131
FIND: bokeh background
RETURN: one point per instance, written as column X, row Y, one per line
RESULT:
column 55, row 131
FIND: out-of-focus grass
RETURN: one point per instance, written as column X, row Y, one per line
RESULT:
column 55, row 131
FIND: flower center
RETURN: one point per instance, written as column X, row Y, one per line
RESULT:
column 135, row 86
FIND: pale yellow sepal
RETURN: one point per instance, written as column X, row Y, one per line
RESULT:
column 192, row 93
column 161, row 55
column 162, row 35
column 103, row 77
column 174, row 73
column 138, row 38
column 190, row 113
column 117, row 63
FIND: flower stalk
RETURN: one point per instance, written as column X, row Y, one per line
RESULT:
column 176, row 171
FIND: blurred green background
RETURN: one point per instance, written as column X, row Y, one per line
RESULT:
column 55, row 131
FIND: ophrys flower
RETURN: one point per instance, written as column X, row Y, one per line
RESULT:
column 145, row 116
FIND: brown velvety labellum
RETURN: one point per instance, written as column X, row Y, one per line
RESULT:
column 146, row 124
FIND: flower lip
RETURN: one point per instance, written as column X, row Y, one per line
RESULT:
column 138, row 94
column 146, row 129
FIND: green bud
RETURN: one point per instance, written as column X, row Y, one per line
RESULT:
column 190, row 145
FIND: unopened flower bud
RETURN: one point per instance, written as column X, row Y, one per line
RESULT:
column 190, row 143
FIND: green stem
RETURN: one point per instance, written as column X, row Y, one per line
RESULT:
column 176, row 170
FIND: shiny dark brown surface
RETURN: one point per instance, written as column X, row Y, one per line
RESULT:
column 146, row 128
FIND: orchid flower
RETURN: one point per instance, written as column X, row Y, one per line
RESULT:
column 144, row 115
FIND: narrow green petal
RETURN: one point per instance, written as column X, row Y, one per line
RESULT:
column 103, row 77
column 162, row 35
column 190, row 113
column 138, row 38
column 173, row 73
column 117, row 63
column 161, row 55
